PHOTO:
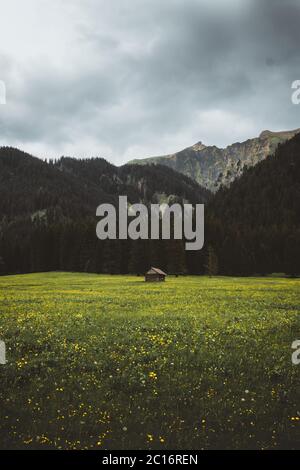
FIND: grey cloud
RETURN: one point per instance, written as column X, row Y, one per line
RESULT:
column 140, row 78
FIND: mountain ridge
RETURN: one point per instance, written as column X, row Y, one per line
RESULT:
column 48, row 216
column 77, row 186
column 212, row 167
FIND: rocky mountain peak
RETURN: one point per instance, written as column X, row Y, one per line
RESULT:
column 198, row 146
column 213, row 167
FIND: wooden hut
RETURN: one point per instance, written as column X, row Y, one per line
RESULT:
column 155, row 275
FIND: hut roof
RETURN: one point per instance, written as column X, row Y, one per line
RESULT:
column 156, row 271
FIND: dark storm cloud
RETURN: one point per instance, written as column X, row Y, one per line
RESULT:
column 126, row 79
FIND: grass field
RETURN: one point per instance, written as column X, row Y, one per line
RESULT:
column 110, row 362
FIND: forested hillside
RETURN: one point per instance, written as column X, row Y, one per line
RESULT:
column 48, row 212
column 213, row 167
column 48, row 216
column 255, row 224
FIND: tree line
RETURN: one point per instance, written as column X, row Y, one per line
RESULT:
column 48, row 220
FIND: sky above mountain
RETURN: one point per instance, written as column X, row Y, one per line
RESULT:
column 133, row 78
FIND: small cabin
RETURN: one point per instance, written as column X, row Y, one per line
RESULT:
column 155, row 275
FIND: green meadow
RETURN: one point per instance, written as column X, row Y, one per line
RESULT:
column 112, row 362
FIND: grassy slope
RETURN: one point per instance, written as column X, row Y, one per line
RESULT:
column 112, row 362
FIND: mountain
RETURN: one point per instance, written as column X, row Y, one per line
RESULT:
column 48, row 213
column 254, row 225
column 48, row 221
column 74, row 188
column 213, row 167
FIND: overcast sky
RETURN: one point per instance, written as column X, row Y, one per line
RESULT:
column 133, row 78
